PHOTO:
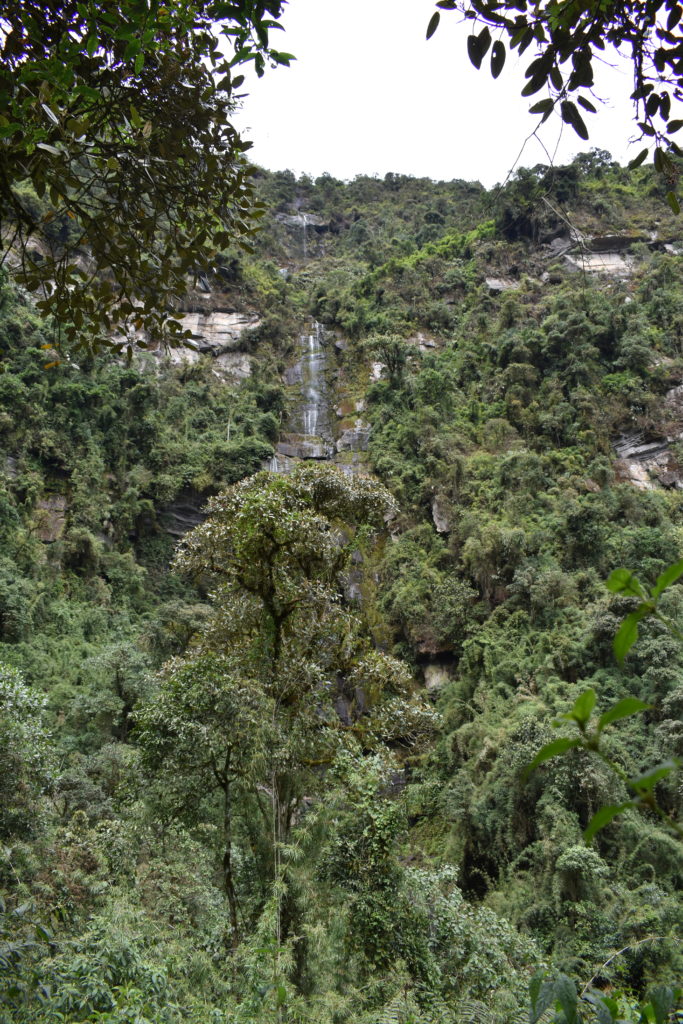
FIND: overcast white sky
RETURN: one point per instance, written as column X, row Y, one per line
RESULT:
column 369, row 94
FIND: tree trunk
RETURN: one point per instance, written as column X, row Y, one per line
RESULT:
column 228, row 879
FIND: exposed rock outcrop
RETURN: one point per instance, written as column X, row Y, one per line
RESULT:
column 303, row 220
column 436, row 677
column 355, row 439
column 496, row 285
column 601, row 254
column 647, row 462
column 294, row 447
column 51, row 517
column 440, row 516
column 219, row 332
column 617, row 264
column 184, row 513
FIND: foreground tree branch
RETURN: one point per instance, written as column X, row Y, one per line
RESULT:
column 121, row 174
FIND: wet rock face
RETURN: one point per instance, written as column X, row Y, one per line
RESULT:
column 440, row 516
column 355, row 439
column 647, row 463
column 303, row 220
column 615, row 243
column 635, row 447
column 294, row 447
column 51, row 517
column 616, row 264
column 436, row 677
column 184, row 513
column 306, row 231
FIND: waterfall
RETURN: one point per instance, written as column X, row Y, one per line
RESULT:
column 308, row 432
column 314, row 399
column 304, row 222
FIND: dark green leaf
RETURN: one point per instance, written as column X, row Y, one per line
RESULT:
column 536, row 987
column 571, row 115
column 583, row 707
column 498, row 54
column 474, row 51
column 550, row 750
column 606, row 1008
column 662, row 1001
column 652, row 105
column 484, row 41
column 674, row 126
column 556, row 78
column 628, row 632
column 564, row 992
column 646, row 782
column 526, row 40
column 622, row 581
column 603, row 817
column 586, row 104
column 433, row 24
column 672, row 200
column 622, row 709
column 638, row 160
column 534, row 85
column 542, row 107
column 673, row 572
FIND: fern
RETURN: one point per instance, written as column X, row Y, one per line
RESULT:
column 473, row 1011
column 391, row 1011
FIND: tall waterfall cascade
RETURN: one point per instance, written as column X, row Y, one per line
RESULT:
column 313, row 430
column 304, row 225
column 307, row 432
column 313, row 365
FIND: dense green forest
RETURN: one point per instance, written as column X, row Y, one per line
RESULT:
column 269, row 684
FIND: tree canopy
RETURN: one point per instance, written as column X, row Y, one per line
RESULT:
column 566, row 38
column 121, row 174
column 284, row 676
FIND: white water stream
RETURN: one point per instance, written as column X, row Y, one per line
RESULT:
column 314, row 411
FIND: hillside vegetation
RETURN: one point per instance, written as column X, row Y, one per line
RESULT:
column 280, row 777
